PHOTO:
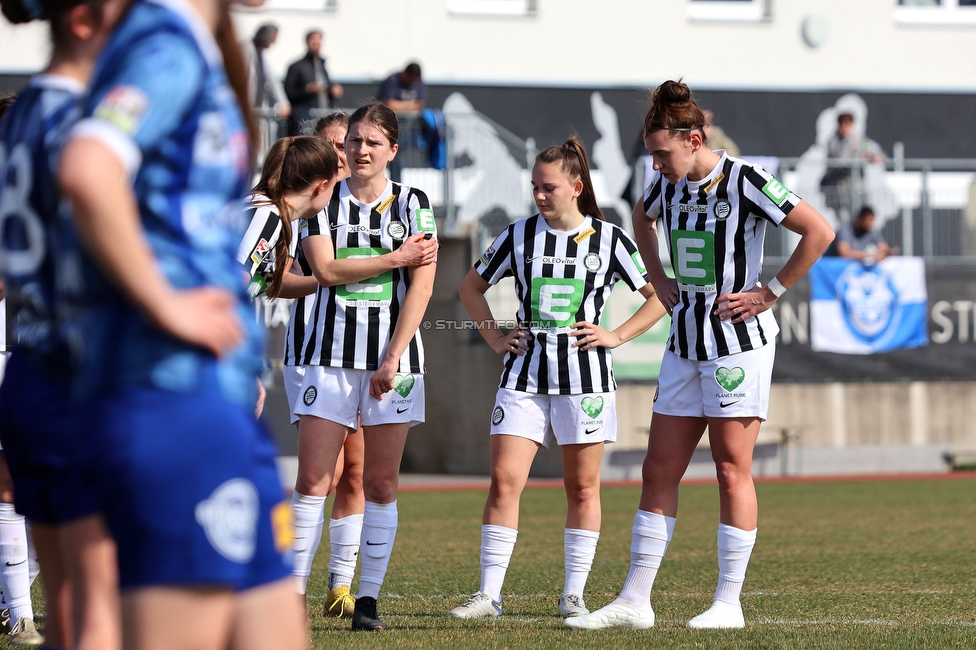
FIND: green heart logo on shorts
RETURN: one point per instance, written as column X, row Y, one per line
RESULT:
column 403, row 384
column 730, row 379
column 592, row 406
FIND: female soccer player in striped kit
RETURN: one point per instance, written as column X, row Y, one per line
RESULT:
column 717, row 366
column 557, row 383
column 45, row 433
column 362, row 348
column 296, row 180
column 156, row 170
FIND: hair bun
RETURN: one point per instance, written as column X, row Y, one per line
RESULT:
column 672, row 92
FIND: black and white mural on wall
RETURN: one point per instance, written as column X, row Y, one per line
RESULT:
column 765, row 124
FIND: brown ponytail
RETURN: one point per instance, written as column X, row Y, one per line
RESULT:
column 292, row 165
column 674, row 109
column 236, row 71
column 571, row 156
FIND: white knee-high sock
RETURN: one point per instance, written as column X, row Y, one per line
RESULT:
column 734, row 550
column 14, row 569
column 651, row 536
column 309, row 519
column 497, row 545
column 344, row 537
column 379, row 531
column 580, row 549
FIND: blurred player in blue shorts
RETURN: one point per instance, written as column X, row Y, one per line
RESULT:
column 44, row 434
column 156, row 170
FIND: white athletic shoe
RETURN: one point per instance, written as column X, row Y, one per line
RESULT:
column 618, row 614
column 479, row 605
column 720, row 616
column 24, row 633
column 572, row 605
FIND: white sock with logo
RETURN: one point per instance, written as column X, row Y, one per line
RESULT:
column 309, row 519
column 14, row 569
column 734, row 550
column 497, row 546
column 651, row 536
column 379, row 532
column 344, row 537
column 580, row 549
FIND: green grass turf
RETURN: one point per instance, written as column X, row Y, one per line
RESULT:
column 878, row 564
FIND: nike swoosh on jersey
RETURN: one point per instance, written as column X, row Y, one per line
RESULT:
column 403, row 410
column 727, row 404
column 589, row 431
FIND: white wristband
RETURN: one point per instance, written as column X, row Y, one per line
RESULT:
column 776, row 287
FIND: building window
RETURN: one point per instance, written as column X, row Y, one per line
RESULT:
column 300, row 5
column 516, row 8
column 728, row 10
column 936, row 12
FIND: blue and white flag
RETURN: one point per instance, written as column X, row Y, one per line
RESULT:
column 857, row 308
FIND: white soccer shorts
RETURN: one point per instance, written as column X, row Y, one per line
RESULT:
column 565, row 419
column 342, row 395
column 736, row 386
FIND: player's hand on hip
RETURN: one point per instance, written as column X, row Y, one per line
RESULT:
column 745, row 304
column 203, row 317
column 590, row 336
column 517, row 342
column 667, row 292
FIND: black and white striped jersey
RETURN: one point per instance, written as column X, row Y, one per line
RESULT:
column 256, row 253
column 561, row 278
column 715, row 229
column 351, row 324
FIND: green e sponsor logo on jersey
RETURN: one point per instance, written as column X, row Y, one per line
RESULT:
column 555, row 301
column 776, row 191
column 425, row 220
column 379, row 288
column 639, row 261
column 694, row 259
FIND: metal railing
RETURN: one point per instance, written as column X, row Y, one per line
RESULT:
column 924, row 206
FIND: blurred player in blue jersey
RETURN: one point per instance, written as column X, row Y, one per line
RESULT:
column 43, row 433
column 18, row 557
column 156, row 170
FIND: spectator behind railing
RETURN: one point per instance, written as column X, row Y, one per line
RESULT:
column 265, row 91
column 838, row 182
column 717, row 138
column 308, row 86
column 404, row 90
column 857, row 240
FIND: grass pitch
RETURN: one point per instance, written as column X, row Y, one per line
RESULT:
column 872, row 564
column 879, row 564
